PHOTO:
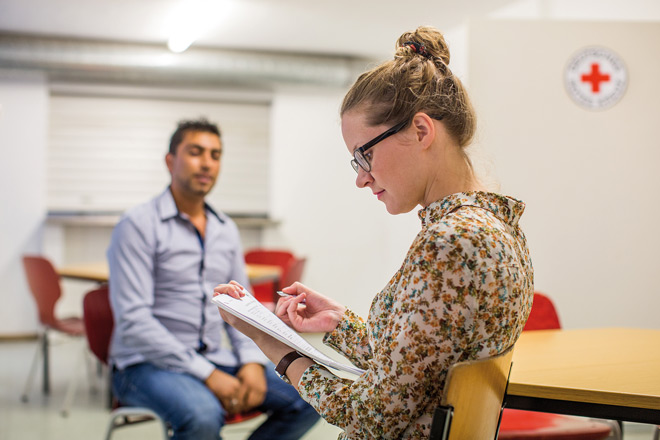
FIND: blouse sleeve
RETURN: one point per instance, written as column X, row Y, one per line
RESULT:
column 350, row 339
column 425, row 327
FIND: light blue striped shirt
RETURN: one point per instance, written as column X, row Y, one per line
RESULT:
column 162, row 275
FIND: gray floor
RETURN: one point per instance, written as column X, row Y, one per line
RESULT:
column 40, row 418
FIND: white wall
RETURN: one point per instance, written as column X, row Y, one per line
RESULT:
column 23, row 125
column 590, row 178
column 352, row 244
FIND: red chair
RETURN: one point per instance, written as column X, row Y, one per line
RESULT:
column 44, row 283
column 99, row 322
column 528, row 425
column 543, row 315
column 293, row 274
column 98, row 319
column 291, row 267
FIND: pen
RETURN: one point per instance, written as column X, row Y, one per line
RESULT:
column 285, row 295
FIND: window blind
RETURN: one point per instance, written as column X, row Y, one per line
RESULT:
column 106, row 154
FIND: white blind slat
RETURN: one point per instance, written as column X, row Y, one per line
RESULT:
column 107, row 154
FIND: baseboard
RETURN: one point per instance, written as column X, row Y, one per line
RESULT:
column 15, row 337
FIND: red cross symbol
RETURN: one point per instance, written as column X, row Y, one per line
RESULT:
column 595, row 78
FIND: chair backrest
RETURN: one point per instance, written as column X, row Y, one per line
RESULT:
column 472, row 399
column 294, row 273
column 543, row 315
column 44, row 284
column 285, row 259
column 276, row 257
column 98, row 319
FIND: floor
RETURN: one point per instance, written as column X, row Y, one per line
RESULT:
column 41, row 417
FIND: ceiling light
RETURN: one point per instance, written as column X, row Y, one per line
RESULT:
column 191, row 19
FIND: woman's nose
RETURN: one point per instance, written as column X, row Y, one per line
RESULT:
column 363, row 178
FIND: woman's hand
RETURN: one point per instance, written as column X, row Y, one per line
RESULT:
column 318, row 313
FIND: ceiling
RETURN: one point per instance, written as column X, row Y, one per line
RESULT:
column 364, row 28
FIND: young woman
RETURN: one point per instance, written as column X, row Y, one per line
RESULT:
column 465, row 288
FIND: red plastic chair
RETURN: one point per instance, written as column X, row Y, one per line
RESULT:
column 294, row 273
column 98, row 319
column 291, row 267
column 99, row 324
column 44, row 283
column 528, row 425
column 543, row 315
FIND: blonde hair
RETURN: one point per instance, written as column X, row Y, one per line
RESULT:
column 418, row 79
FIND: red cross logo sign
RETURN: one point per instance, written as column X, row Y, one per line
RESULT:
column 595, row 78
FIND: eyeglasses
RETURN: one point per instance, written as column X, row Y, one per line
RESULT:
column 360, row 160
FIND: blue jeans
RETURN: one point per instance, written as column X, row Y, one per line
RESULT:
column 194, row 412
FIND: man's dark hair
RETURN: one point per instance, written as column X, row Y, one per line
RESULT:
column 198, row 125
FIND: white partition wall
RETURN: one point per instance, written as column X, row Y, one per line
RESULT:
column 23, row 125
column 590, row 178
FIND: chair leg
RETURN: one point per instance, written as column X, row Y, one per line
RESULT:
column 73, row 383
column 33, row 369
column 45, row 349
column 111, row 426
column 121, row 417
column 111, row 396
column 93, row 377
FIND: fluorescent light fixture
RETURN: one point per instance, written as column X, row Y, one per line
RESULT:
column 190, row 19
column 180, row 42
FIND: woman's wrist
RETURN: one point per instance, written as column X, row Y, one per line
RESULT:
column 341, row 311
column 273, row 348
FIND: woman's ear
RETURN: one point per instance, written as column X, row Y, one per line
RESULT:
column 424, row 129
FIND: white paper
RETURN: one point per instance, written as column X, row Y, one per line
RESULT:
column 253, row 312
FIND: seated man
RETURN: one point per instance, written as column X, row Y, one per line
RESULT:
column 168, row 351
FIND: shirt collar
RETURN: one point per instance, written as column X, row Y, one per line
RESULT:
column 167, row 208
column 505, row 208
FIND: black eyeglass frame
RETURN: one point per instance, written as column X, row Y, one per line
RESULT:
column 360, row 160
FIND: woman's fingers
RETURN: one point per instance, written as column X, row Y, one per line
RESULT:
column 292, row 310
column 282, row 305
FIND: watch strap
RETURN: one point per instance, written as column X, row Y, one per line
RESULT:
column 285, row 362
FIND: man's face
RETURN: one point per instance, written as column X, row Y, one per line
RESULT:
column 196, row 163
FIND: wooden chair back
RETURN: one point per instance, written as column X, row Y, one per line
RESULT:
column 472, row 399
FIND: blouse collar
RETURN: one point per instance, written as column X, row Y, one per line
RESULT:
column 505, row 208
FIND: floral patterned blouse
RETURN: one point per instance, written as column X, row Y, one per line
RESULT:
column 463, row 292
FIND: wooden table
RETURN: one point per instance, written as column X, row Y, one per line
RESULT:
column 611, row 373
column 99, row 272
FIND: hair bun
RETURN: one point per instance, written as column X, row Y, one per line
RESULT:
column 417, row 48
column 425, row 41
